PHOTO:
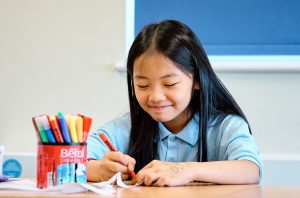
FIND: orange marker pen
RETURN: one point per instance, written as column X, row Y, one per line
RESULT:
column 87, row 122
column 55, row 128
column 112, row 148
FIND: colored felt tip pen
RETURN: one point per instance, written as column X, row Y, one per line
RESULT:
column 47, row 128
column 87, row 122
column 36, row 130
column 55, row 128
column 42, row 131
column 112, row 148
column 79, row 128
column 72, row 128
column 64, row 128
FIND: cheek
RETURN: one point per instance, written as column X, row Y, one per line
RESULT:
column 182, row 97
column 141, row 97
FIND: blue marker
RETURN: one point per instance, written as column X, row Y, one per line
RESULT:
column 47, row 128
column 64, row 127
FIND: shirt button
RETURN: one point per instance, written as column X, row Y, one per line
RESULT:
column 171, row 159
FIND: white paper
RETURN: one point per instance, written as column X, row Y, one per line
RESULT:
column 28, row 185
column 23, row 185
column 116, row 179
column 103, row 188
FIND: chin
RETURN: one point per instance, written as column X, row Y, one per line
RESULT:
column 160, row 118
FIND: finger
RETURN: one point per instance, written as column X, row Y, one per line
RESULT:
column 116, row 167
column 160, row 182
column 130, row 168
column 114, row 156
column 121, row 158
column 145, row 170
column 150, row 179
column 126, row 160
column 124, row 176
column 130, row 160
column 132, row 181
column 140, row 176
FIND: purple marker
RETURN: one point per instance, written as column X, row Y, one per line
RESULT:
column 3, row 179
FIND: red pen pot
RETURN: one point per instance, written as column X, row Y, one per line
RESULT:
column 60, row 164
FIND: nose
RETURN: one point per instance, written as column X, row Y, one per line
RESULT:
column 157, row 95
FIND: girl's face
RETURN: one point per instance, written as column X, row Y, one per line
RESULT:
column 163, row 90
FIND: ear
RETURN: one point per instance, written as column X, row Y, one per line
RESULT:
column 196, row 85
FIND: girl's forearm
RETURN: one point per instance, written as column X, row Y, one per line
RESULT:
column 224, row 172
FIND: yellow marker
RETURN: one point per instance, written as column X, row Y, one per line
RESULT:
column 72, row 128
column 67, row 120
column 79, row 127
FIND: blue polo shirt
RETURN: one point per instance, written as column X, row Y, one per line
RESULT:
column 229, row 140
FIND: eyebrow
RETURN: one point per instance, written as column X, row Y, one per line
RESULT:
column 164, row 76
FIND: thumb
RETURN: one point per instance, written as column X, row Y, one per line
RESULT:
column 132, row 181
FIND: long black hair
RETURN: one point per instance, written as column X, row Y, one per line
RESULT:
column 179, row 43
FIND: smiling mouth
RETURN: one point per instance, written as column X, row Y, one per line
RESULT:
column 159, row 108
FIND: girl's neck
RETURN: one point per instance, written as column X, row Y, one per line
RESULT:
column 178, row 123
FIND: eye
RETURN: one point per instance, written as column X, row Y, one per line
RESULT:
column 172, row 84
column 142, row 86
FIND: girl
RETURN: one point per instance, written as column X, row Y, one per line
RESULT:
column 183, row 124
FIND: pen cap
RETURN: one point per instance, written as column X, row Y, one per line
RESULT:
column 45, row 122
column 38, row 121
column 87, row 122
column 60, row 114
column 36, row 131
column 79, row 128
column 55, row 128
column 42, row 132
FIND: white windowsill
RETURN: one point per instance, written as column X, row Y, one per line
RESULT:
column 255, row 63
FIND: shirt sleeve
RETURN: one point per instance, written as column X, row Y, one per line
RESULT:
column 117, row 131
column 237, row 143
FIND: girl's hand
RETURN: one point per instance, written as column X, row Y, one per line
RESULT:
column 159, row 173
column 110, row 164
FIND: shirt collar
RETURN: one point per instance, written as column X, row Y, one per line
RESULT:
column 188, row 134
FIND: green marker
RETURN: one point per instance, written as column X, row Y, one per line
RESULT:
column 38, row 121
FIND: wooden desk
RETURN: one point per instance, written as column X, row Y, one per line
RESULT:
column 202, row 191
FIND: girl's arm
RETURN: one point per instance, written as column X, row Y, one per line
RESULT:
column 225, row 172
column 160, row 173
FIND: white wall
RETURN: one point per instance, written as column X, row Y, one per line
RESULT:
column 58, row 55
column 271, row 101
